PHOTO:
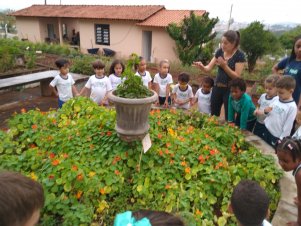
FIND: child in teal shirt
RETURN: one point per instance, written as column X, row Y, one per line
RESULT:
column 240, row 106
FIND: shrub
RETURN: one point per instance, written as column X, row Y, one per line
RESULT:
column 89, row 174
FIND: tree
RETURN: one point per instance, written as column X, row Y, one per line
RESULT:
column 255, row 42
column 287, row 38
column 191, row 36
column 6, row 19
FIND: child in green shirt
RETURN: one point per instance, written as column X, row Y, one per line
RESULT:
column 240, row 106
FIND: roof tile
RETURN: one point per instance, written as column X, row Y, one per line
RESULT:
column 164, row 17
column 116, row 12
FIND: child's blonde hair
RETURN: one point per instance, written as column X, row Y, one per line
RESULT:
column 272, row 79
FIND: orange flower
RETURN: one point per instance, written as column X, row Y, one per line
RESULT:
column 55, row 162
column 213, row 152
column 159, row 123
column 23, row 110
column 167, row 186
column 91, row 146
column 79, row 194
column 161, row 152
column 206, row 147
column 187, row 170
column 117, row 172
column 201, row 159
column 152, row 112
column 54, row 122
column 158, row 110
column 34, row 126
column 171, row 161
column 206, row 135
column 183, row 163
column 198, row 212
column 102, row 191
column 166, row 151
column 168, row 145
column 51, row 155
column 74, row 168
column 65, row 155
column 49, row 138
column 51, row 177
column 159, row 135
column 32, row 146
column 109, row 133
column 80, row 177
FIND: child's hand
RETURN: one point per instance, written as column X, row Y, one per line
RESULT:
column 198, row 64
column 268, row 110
column 166, row 104
column 255, row 112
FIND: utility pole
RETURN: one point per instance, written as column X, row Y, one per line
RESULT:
column 45, row 2
column 230, row 18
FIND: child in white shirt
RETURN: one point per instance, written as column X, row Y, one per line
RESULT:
column 116, row 70
column 162, row 82
column 265, row 100
column 98, row 85
column 203, row 95
column 182, row 92
column 143, row 73
column 63, row 82
column 281, row 115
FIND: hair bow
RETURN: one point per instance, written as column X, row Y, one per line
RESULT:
column 126, row 219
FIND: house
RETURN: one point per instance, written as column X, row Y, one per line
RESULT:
column 123, row 29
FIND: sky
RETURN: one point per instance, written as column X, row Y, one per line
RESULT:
column 265, row 11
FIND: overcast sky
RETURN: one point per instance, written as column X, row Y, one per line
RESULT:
column 265, row 11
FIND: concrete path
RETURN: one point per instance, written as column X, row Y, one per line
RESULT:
column 287, row 210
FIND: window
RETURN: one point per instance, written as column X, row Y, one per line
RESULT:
column 102, row 34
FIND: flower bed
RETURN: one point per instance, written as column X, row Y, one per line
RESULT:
column 89, row 174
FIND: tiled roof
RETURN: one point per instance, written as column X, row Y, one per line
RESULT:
column 165, row 17
column 115, row 12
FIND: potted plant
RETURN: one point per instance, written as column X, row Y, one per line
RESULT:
column 132, row 103
column 92, row 50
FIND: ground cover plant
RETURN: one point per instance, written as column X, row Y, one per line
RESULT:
column 89, row 174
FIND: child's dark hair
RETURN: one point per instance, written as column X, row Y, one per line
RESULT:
column 238, row 83
column 158, row 218
column 137, row 65
column 114, row 63
column 20, row 197
column 61, row 63
column 250, row 203
column 98, row 65
column 291, row 145
column 233, row 37
column 293, row 54
column 272, row 79
column 286, row 82
column 208, row 80
column 183, row 77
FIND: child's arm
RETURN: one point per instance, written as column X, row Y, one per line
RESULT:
column 289, row 122
column 244, row 114
column 298, row 183
column 167, row 94
column 85, row 91
column 53, row 90
column 74, row 91
column 230, row 110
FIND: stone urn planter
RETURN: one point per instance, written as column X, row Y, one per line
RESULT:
column 132, row 116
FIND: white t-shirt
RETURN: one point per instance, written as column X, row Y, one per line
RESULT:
column 264, row 102
column 280, row 120
column 183, row 95
column 115, row 80
column 163, row 82
column 99, row 87
column 146, row 78
column 266, row 223
column 64, row 86
column 297, row 134
column 204, row 101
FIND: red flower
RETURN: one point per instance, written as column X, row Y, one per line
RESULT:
column 51, row 177
column 65, row 155
column 23, row 110
column 74, row 168
column 160, row 152
column 34, row 126
column 51, row 155
column 117, row 172
column 201, row 159
column 187, row 170
column 159, row 135
column 109, row 133
column 55, row 162
column 102, row 191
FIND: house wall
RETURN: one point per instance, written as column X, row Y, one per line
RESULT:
column 163, row 46
column 125, row 36
column 28, row 28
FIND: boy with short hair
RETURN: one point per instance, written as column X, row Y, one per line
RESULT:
column 281, row 114
column 240, row 106
column 203, row 95
column 182, row 92
column 98, row 85
column 63, row 82
column 250, row 204
column 21, row 200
